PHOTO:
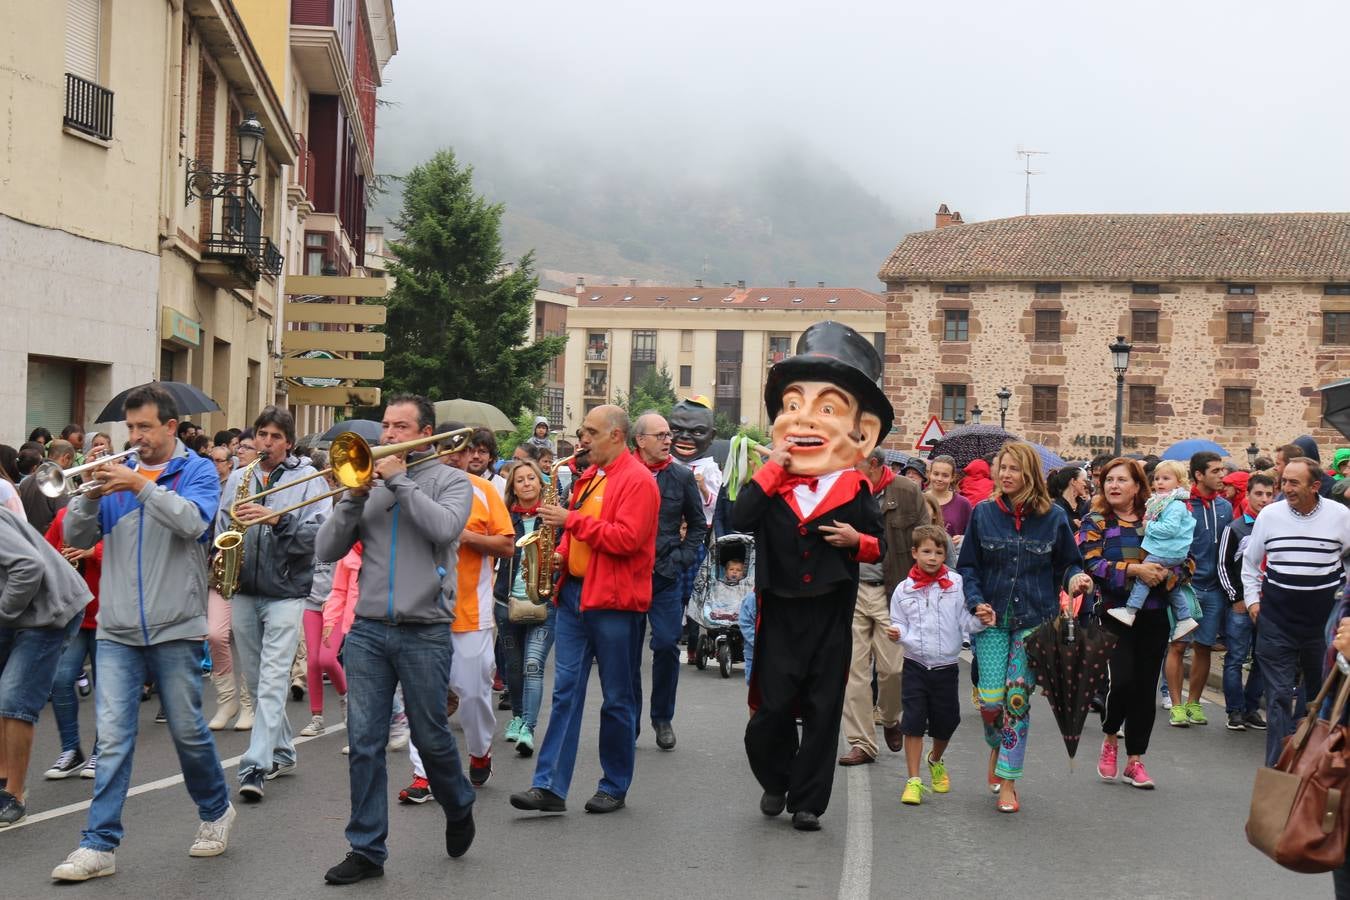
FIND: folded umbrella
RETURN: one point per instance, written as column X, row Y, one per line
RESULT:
column 968, row 443
column 187, row 398
column 1069, row 657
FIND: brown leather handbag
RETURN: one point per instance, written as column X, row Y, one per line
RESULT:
column 1300, row 812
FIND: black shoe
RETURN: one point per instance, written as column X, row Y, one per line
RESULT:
column 665, row 735
column 1236, row 723
column 278, row 770
column 772, row 804
column 459, row 835
column 603, row 803
column 504, row 701
column 251, row 787
column 1253, row 719
column 352, row 869
column 805, row 821
column 297, row 691
column 160, row 718
column 539, row 800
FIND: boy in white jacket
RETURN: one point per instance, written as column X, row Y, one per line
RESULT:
column 929, row 619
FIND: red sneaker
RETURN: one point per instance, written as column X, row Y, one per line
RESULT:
column 480, row 769
column 1106, row 761
column 497, row 684
column 417, row 792
column 1137, row 775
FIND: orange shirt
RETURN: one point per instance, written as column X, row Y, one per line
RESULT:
column 151, row 472
column 473, row 583
column 579, row 552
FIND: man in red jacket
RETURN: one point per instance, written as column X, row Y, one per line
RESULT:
column 606, row 555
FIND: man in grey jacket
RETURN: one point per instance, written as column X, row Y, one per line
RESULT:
column 42, row 600
column 153, row 516
column 409, row 523
column 274, row 580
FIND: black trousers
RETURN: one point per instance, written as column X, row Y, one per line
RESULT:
column 1132, row 677
column 803, row 649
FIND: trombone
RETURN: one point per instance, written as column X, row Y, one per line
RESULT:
column 54, row 481
column 353, row 465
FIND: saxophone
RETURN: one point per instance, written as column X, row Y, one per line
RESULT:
column 537, row 547
column 230, row 544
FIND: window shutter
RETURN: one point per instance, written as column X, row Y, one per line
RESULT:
column 51, row 396
column 82, row 37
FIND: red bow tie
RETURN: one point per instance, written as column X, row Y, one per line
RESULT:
column 787, row 485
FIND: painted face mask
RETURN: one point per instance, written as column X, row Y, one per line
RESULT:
column 692, row 431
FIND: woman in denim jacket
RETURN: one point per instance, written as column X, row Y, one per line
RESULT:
column 1018, row 553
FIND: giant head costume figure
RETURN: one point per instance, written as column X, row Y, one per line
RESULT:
column 825, row 402
column 691, row 430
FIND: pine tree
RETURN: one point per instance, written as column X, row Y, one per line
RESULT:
column 458, row 315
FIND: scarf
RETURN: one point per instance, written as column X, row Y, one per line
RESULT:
column 922, row 579
column 1018, row 514
column 526, row 512
column 1205, row 499
column 887, row 476
column 653, row 468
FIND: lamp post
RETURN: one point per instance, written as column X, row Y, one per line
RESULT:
column 205, row 184
column 1253, row 452
column 975, row 414
column 1004, row 396
column 1120, row 361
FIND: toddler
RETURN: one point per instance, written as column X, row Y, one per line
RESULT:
column 1168, row 531
column 734, row 571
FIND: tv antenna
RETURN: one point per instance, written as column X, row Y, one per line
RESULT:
column 1028, row 172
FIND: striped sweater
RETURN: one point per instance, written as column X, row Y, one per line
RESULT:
column 1109, row 545
column 1304, row 569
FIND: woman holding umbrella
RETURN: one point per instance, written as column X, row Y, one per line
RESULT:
column 1018, row 553
column 1111, row 539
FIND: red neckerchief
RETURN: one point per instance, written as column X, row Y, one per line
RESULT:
column 922, row 579
column 1205, row 499
column 653, row 468
column 522, row 511
column 1017, row 513
column 887, row 476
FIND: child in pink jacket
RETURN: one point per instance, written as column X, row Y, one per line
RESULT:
column 341, row 603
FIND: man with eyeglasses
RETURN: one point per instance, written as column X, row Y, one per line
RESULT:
column 681, row 505
column 248, row 449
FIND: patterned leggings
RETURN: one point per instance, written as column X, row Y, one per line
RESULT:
column 1005, row 687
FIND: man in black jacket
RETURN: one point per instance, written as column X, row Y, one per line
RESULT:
column 814, row 519
column 1243, row 704
column 680, row 505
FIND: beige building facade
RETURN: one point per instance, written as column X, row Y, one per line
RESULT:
column 1234, row 321
column 716, row 341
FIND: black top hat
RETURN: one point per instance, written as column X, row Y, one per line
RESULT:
column 829, row 351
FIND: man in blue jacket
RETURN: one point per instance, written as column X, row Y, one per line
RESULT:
column 153, row 517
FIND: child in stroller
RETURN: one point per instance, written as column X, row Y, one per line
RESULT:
column 725, row 580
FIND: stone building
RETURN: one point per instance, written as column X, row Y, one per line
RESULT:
column 1235, row 321
column 716, row 341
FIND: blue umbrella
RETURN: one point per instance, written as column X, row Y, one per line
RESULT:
column 1184, row 450
column 1050, row 460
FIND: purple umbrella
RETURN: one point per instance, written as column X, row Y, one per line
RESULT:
column 1050, row 460
column 967, row 443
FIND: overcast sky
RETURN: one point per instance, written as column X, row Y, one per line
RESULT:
column 1144, row 106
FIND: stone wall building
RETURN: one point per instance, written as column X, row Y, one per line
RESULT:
column 1235, row 321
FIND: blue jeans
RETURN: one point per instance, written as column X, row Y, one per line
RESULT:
column 1177, row 599
column 605, row 636
column 65, row 704
column 524, row 651
column 378, row 657
column 1237, row 699
column 123, row 669
column 29, row 658
column 1213, row 608
column 666, row 615
column 266, row 632
column 1283, row 656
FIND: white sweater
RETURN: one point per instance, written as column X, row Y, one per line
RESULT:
column 933, row 621
column 1303, row 566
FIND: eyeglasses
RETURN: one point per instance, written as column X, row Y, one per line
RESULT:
column 659, row 435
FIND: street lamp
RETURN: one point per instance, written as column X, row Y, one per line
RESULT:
column 1120, row 361
column 1253, row 452
column 250, row 133
column 975, row 414
column 1004, row 396
column 960, row 418
column 205, row 184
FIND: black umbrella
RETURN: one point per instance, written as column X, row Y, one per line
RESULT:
column 1336, row 406
column 1069, row 658
column 187, row 398
column 369, row 430
column 967, row 443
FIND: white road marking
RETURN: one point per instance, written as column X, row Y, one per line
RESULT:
column 152, row 785
column 855, row 883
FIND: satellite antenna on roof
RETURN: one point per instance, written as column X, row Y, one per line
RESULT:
column 1027, row 155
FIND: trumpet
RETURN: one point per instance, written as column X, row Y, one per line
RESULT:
column 354, row 465
column 54, row 481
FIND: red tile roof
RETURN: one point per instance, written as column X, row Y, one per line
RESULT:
column 718, row 297
column 1147, row 248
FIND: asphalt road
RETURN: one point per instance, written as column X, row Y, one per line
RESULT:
column 692, row 827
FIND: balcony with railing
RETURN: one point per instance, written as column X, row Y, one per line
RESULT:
column 89, row 108
column 775, row 356
column 597, row 352
column 596, row 387
column 301, row 187
column 240, row 253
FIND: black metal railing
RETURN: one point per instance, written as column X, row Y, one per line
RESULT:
column 89, row 108
column 251, row 256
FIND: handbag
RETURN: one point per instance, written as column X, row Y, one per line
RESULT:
column 1300, row 808
column 522, row 611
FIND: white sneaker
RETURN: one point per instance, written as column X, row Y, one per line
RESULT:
column 1184, row 627
column 1167, row 701
column 1122, row 614
column 84, row 864
column 398, row 738
column 90, row 767
column 314, row 728
column 213, row 837
column 346, row 749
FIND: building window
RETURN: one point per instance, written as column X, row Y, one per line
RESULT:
column 956, row 289
column 1044, row 403
column 1336, row 327
column 316, row 252
column 643, row 360
column 597, row 346
column 686, row 376
column 780, row 348
column 1143, row 404
column 1242, row 289
column 84, row 37
column 956, row 325
column 1241, row 327
column 1336, row 290
column 686, row 341
column 953, row 402
column 1237, row 407
column 1047, row 289
column 1144, row 326
column 1144, row 288
column 553, row 405
column 1047, row 325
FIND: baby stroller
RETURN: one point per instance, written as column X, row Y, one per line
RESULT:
column 716, row 605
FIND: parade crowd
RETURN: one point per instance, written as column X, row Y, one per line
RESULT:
column 443, row 584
